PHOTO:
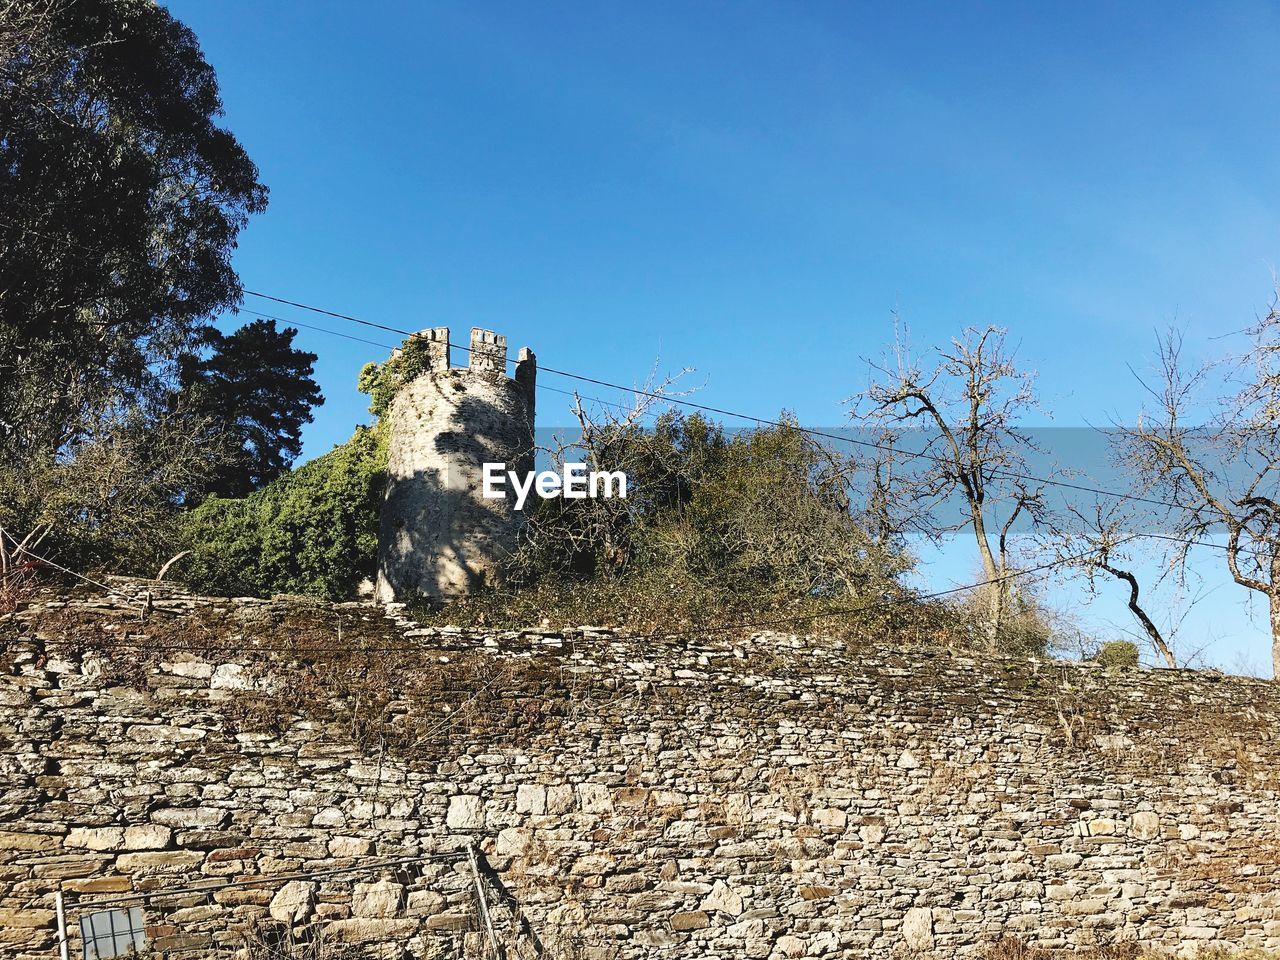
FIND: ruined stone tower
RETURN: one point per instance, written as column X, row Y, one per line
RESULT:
column 439, row 537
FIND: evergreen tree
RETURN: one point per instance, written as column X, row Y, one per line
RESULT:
column 255, row 388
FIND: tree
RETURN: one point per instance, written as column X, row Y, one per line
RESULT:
column 256, row 389
column 313, row 530
column 113, row 497
column 965, row 409
column 120, row 203
column 1099, row 541
column 1219, row 479
column 762, row 516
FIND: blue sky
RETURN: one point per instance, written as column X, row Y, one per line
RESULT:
column 750, row 189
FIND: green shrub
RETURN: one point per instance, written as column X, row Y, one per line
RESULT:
column 1118, row 655
column 312, row 531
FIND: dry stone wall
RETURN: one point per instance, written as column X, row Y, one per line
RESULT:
column 780, row 797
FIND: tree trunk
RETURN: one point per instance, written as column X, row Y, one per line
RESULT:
column 996, row 587
column 1274, row 597
column 1136, row 609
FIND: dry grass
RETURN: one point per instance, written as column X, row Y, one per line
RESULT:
column 1015, row 948
column 350, row 669
column 269, row 941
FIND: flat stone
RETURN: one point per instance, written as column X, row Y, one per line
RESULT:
column 531, row 798
column 791, row 946
column 159, row 860
column 350, row 847
column 594, row 798
column 29, row 841
column 294, row 902
column 192, row 818
column 96, row 838
column 381, row 898
column 1146, row 825
column 917, row 928
column 513, row 841
column 368, row 930
column 722, row 899
column 146, row 836
column 690, row 920
column 465, row 813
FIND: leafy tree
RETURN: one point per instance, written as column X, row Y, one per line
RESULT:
column 120, row 202
column 313, row 530
column 764, row 514
column 256, row 389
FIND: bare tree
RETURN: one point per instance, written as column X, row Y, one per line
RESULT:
column 1219, row 479
column 965, row 407
column 1100, row 541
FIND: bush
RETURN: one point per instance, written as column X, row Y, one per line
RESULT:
column 1118, row 655
column 110, row 499
column 757, row 519
column 312, row 531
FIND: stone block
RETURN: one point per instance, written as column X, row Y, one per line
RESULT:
column 791, row 946
column 513, row 841
column 917, row 928
column 531, row 798
column 191, row 818
column 293, row 902
column 370, row 930
column 146, row 836
column 690, row 920
column 28, row 841
column 382, row 898
column 594, row 798
column 559, row 799
column 722, row 899
column 159, row 860
column 1146, row 825
column 96, row 838
column 465, row 812
column 351, row 847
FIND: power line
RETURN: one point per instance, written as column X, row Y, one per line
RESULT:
column 389, row 346
column 751, row 418
column 677, row 401
column 621, row 406
column 689, row 404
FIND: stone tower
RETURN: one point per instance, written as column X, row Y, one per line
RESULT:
column 439, row 538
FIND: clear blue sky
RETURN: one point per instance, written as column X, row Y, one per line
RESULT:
column 750, row 189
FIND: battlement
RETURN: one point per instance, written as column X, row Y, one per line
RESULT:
column 487, row 354
column 437, row 347
column 488, row 351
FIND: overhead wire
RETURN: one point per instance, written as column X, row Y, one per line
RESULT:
column 750, row 418
column 690, row 404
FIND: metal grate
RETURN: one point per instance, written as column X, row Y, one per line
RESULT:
column 112, row 933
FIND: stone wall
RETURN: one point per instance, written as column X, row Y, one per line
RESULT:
column 777, row 797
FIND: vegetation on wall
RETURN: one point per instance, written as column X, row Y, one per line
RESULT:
column 312, row 531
